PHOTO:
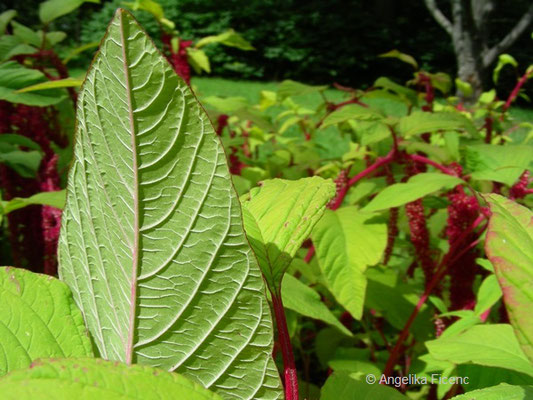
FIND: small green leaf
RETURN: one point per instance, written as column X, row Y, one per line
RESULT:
column 5, row 18
column 11, row 46
column 38, row 318
column 289, row 88
column 59, row 83
column 19, row 140
column 349, row 112
column 421, row 122
column 342, row 386
column 27, row 35
column 406, row 94
column 279, row 216
column 347, row 242
column 227, row 104
column 93, row 378
column 406, row 58
column 14, row 76
column 25, row 163
column 198, row 59
column 54, row 199
column 299, row 297
column 488, row 294
column 464, row 87
column 509, row 247
column 80, row 49
column 490, row 345
column 52, row 9
column 416, row 187
column 229, row 38
column 500, row 392
column 503, row 60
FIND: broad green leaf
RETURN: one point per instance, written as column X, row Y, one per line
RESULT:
column 25, row 34
column 38, row 318
column 94, row 378
column 229, row 38
column 150, row 6
column 52, row 9
column 152, row 242
column 198, row 59
column 14, row 76
column 509, row 247
column 279, row 216
column 502, row 164
column 59, row 83
column 54, row 199
column 299, row 297
column 464, row 87
column 416, row 187
column 344, row 386
column 351, row 111
column 483, row 377
column 347, row 241
column 500, row 392
column 290, row 88
column 19, row 140
column 53, row 38
column 227, row 104
column 490, row 345
column 422, row 122
column 406, row 58
column 5, row 18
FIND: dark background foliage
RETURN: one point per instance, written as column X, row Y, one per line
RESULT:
column 313, row 41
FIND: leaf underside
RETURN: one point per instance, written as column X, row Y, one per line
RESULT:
column 152, row 242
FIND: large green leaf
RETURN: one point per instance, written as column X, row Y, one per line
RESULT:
column 152, row 242
column 509, row 247
column 299, row 297
column 289, row 88
column 279, row 216
column 342, row 386
column 500, row 392
column 94, row 378
column 416, row 187
column 421, row 122
column 490, row 345
column 347, row 241
column 38, row 318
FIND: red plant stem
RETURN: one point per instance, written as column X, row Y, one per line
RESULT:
column 516, row 89
column 422, row 159
column 488, row 126
column 291, row 377
column 441, row 270
column 310, row 254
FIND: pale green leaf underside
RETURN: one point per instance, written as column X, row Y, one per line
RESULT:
column 509, row 247
column 152, row 242
column 94, row 378
column 490, row 345
column 279, row 216
column 346, row 243
column 38, row 318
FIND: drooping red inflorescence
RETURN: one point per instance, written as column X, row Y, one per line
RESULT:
column 419, row 233
column 33, row 230
column 520, row 189
column 462, row 212
column 178, row 59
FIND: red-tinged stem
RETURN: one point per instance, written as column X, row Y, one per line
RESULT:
column 379, row 162
column 442, row 168
column 488, row 126
column 310, row 254
column 516, row 89
column 441, row 270
column 290, row 375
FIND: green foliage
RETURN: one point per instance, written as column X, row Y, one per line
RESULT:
column 39, row 319
column 92, row 378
